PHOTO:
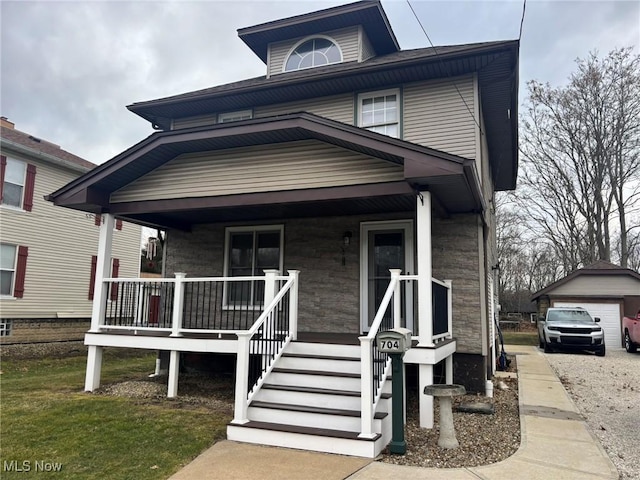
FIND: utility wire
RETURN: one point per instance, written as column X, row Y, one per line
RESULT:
column 524, row 8
column 445, row 67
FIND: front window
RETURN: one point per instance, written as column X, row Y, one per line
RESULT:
column 569, row 316
column 380, row 112
column 249, row 252
column 7, row 268
column 313, row 53
column 13, row 186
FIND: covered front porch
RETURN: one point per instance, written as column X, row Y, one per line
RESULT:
column 281, row 228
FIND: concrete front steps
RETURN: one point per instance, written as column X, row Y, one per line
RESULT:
column 311, row 401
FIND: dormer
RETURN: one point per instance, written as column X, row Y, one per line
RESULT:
column 348, row 33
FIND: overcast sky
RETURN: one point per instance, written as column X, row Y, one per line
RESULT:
column 70, row 68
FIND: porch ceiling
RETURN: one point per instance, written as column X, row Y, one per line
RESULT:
column 452, row 179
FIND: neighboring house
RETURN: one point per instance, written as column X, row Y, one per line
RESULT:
column 47, row 252
column 605, row 290
column 348, row 159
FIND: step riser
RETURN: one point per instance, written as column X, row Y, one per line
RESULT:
column 310, row 399
column 319, row 364
column 318, row 381
column 307, row 419
column 316, row 399
column 324, row 349
column 315, row 443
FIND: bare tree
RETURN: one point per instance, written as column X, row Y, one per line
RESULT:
column 580, row 146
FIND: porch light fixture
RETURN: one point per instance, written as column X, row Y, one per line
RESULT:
column 346, row 238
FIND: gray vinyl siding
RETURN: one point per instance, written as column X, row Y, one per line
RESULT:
column 346, row 38
column 199, row 121
column 338, row 107
column 291, row 166
column 366, row 47
column 599, row 286
column 61, row 242
column 436, row 116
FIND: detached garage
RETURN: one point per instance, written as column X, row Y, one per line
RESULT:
column 605, row 290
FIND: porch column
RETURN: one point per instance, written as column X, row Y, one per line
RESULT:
column 423, row 233
column 174, row 370
column 293, row 305
column 94, row 367
column 98, row 310
column 425, row 377
column 103, row 270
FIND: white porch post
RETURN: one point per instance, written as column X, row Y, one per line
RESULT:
column 395, row 274
column 178, row 303
column 425, row 377
column 425, row 307
column 103, row 270
column 448, row 369
column 366, row 392
column 293, row 304
column 174, row 370
column 270, row 286
column 242, row 379
column 94, row 367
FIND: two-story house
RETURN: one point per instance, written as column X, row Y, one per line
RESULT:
column 48, row 254
column 348, row 191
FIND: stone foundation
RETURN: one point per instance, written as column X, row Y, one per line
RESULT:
column 37, row 330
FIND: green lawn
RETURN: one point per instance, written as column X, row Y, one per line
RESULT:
column 45, row 416
column 520, row 338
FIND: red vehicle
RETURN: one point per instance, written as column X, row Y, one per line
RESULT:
column 631, row 329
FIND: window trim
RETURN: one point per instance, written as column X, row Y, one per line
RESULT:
column 306, row 39
column 234, row 113
column 19, row 272
column 380, row 93
column 14, row 271
column 5, row 168
column 228, row 231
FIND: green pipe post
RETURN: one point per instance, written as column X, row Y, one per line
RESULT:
column 397, row 445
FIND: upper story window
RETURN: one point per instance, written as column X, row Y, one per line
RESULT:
column 380, row 112
column 13, row 185
column 314, row 52
column 17, row 183
column 235, row 116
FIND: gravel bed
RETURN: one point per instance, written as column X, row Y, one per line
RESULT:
column 24, row 351
column 483, row 439
column 606, row 391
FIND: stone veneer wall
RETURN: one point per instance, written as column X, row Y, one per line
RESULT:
column 35, row 330
column 456, row 258
column 329, row 292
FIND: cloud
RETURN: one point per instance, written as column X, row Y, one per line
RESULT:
column 70, row 68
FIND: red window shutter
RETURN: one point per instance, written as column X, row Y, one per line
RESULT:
column 115, row 270
column 3, row 168
column 29, row 187
column 92, row 278
column 118, row 224
column 97, row 219
column 21, row 271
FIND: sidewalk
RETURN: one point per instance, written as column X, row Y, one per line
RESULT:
column 555, row 443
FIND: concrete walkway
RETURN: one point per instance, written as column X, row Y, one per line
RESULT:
column 555, row 444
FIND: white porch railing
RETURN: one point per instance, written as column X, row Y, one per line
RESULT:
column 375, row 365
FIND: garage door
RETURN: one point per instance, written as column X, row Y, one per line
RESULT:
column 609, row 314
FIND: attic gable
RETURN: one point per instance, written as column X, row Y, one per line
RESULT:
column 367, row 15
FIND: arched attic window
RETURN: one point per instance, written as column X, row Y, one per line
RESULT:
column 314, row 52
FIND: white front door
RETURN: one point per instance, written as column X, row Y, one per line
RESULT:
column 384, row 245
